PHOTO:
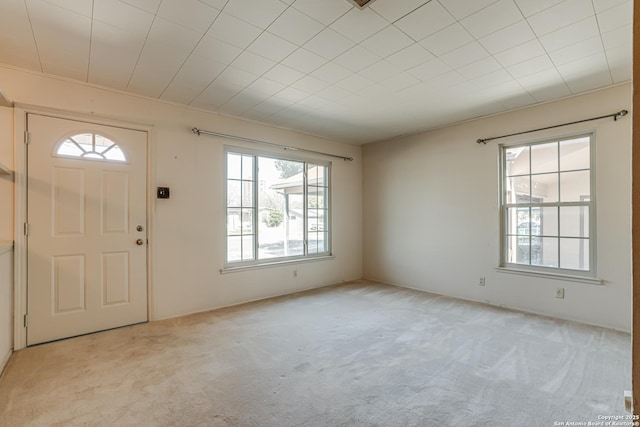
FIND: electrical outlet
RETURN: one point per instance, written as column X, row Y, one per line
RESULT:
column 294, row 274
column 481, row 282
column 560, row 293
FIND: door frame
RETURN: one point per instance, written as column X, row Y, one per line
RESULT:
column 21, row 112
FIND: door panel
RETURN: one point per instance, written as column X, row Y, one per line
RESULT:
column 85, row 270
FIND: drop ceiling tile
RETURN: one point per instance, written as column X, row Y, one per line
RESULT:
column 447, row 39
column 266, row 86
column 399, row 82
column 272, row 47
column 65, row 53
column 531, row 66
column 508, row 37
column 283, row 74
column 242, row 102
column 81, row 7
column 550, row 92
column 480, row 68
column 295, row 27
column 593, row 81
column 313, row 102
column 392, row 10
column 150, row 6
column 252, row 63
column 167, row 33
column 410, row 57
column 304, row 61
column 560, row 15
column 446, row 80
column 259, row 13
column 333, row 93
column 521, row 53
column 197, row 16
column 616, row 17
column 387, row 41
column 577, row 51
column 331, row 72
column 291, row 94
column 430, row 69
column 310, row 84
column 492, row 79
column 463, row 8
column 213, row 48
column 355, row 83
column 492, row 18
column 17, row 47
column 357, row 58
column 426, row 20
column 234, row 77
column 358, row 24
column 218, row 4
column 571, row 34
column 583, row 67
column 194, row 76
column 112, row 62
column 214, row 96
column 325, row 11
column 233, row 31
column 621, row 63
column 267, row 108
column 531, row 7
column 602, row 5
column 548, row 77
column 379, row 71
column 123, row 16
column 464, row 55
column 619, row 37
column 329, row 44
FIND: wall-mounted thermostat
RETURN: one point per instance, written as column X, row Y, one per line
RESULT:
column 163, row 192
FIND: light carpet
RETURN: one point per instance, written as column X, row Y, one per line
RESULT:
column 359, row 354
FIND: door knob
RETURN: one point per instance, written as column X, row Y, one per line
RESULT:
column 140, row 228
column 139, row 242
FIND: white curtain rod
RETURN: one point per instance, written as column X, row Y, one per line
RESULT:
column 255, row 141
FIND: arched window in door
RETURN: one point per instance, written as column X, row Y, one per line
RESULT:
column 90, row 146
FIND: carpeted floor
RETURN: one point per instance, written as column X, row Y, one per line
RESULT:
column 359, row 354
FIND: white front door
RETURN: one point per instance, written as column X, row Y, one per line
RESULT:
column 87, row 228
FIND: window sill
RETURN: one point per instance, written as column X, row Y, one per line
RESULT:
column 554, row 276
column 227, row 270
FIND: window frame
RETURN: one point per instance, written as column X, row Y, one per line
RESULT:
column 256, row 262
column 588, row 276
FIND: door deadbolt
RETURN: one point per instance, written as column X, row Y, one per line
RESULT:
column 140, row 228
column 139, row 242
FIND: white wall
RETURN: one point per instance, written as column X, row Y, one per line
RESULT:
column 6, row 304
column 431, row 212
column 189, row 228
column 6, row 236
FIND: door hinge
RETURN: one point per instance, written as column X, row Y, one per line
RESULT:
column 26, row 229
column 26, row 320
column 27, row 137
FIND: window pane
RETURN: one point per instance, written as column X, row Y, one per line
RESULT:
column 545, row 188
column 280, row 202
column 247, row 168
column 546, row 220
column 234, row 248
column 574, row 254
column 544, row 251
column 233, row 194
column 544, row 158
column 518, row 249
column 234, row 222
column 247, row 248
column 518, row 221
column 247, row 221
column 323, row 242
column 518, row 190
column 575, row 154
column 517, row 161
column 234, row 166
column 247, row 194
column 575, row 186
column 574, row 221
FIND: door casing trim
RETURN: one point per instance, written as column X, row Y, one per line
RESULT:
column 20, row 115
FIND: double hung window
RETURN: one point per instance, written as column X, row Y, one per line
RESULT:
column 277, row 209
column 548, row 206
